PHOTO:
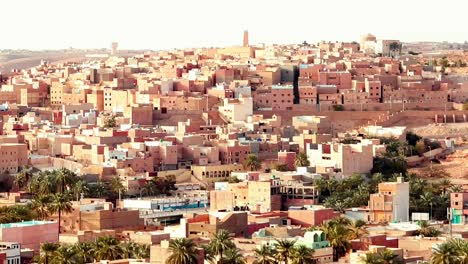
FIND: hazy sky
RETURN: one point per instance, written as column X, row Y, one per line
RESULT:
column 163, row 24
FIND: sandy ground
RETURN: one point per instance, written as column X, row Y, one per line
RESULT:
column 456, row 164
column 453, row 130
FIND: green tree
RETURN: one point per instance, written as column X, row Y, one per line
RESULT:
column 357, row 229
column 221, row 242
column 208, row 254
column 233, row 256
column 183, row 251
column 16, row 213
column 264, row 255
column 302, row 255
column 107, row 248
column 281, row 167
column 301, row 160
column 80, row 187
column 427, row 200
column 388, row 257
column 284, row 249
column 65, row 255
column 338, row 108
column 46, row 252
column 338, row 234
column 461, row 249
column 65, row 179
column 371, row 258
column 116, row 186
column 132, row 250
column 84, row 252
column 233, row 179
column 110, row 122
column 445, row 184
column 444, row 254
column 412, row 138
column 420, row 147
column 427, row 231
column 98, row 189
column 41, row 205
column 456, row 188
column 60, row 203
column 252, row 162
column 23, row 177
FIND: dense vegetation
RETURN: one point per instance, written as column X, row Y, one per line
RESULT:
column 53, row 191
column 103, row 248
column 222, row 249
column 425, row 196
column 454, row 251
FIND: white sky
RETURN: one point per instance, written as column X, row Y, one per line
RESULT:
column 163, row 24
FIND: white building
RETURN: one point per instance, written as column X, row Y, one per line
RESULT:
column 237, row 109
column 13, row 252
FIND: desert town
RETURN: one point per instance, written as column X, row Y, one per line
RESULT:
column 329, row 152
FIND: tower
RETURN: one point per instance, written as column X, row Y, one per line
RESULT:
column 114, row 47
column 246, row 38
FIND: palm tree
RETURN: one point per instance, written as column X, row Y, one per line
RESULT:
column 233, row 256
column 80, row 187
column 444, row 254
column 135, row 251
column 357, row 229
column 142, row 252
column 116, row 186
column 129, row 249
column 427, row 199
column 40, row 205
column 301, row 160
column 107, row 248
column 456, row 188
column 445, row 184
column 284, row 249
column 221, row 242
column 23, row 177
column 461, row 249
column 65, row 255
column 183, row 251
column 46, row 252
column 338, row 235
column 65, row 178
column 208, row 254
column 371, row 258
column 252, row 162
column 264, row 255
column 303, row 255
column 98, row 190
column 60, row 203
column 83, row 252
column 388, row 257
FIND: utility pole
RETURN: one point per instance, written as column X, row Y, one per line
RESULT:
column 449, row 218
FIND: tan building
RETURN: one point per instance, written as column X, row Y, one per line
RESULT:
column 207, row 225
column 391, row 203
column 91, row 214
column 212, row 173
column 255, row 196
column 13, row 156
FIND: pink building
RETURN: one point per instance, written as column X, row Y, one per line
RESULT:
column 232, row 152
column 287, row 158
column 280, row 97
column 342, row 80
column 30, row 234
